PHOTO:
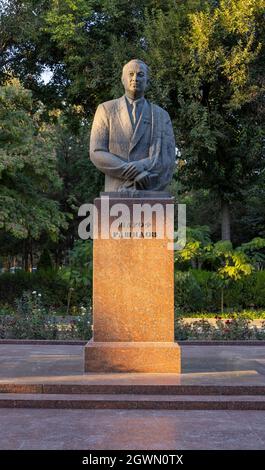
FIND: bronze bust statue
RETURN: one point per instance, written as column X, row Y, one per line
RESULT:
column 132, row 140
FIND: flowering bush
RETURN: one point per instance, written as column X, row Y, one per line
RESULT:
column 79, row 327
column 84, row 323
column 234, row 329
column 32, row 320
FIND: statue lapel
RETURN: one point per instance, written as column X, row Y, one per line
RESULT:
column 124, row 118
column 140, row 129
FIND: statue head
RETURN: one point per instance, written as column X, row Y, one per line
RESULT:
column 135, row 78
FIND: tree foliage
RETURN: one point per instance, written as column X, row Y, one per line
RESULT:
column 207, row 69
column 28, row 168
column 207, row 58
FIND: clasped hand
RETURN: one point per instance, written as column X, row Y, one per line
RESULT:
column 133, row 169
column 136, row 171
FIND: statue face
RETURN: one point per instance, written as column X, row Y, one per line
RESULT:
column 134, row 79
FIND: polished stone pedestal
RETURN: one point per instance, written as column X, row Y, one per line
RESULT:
column 133, row 289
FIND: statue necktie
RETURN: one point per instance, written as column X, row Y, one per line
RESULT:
column 134, row 115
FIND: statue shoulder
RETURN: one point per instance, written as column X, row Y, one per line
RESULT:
column 160, row 111
column 109, row 106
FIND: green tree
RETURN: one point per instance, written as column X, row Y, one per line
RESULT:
column 233, row 265
column 79, row 271
column 196, row 248
column 255, row 250
column 207, row 62
column 83, row 43
column 207, row 58
column 29, row 180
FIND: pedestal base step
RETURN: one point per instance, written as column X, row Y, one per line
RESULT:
column 156, row 357
column 148, row 402
column 106, row 386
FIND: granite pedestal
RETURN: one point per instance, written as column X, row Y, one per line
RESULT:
column 133, row 289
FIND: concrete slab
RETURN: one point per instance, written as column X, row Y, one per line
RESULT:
column 201, row 365
column 131, row 429
column 210, row 369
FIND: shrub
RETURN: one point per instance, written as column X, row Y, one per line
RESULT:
column 197, row 290
column 248, row 314
column 257, row 289
column 188, row 293
column 210, row 289
column 4, row 327
column 32, row 320
column 200, row 329
column 53, row 286
column 45, row 261
column 83, row 323
column 234, row 329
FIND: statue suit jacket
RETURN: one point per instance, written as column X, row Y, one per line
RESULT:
column 114, row 143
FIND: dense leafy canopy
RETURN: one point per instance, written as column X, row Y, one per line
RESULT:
column 28, row 175
column 207, row 69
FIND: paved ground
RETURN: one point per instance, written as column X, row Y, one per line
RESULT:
column 122, row 429
column 229, row 365
column 132, row 429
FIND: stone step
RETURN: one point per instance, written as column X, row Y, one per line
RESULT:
column 132, row 401
column 130, row 388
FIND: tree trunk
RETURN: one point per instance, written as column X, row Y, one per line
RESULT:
column 30, row 255
column 222, row 300
column 225, row 221
column 193, row 264
column 26, row 256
